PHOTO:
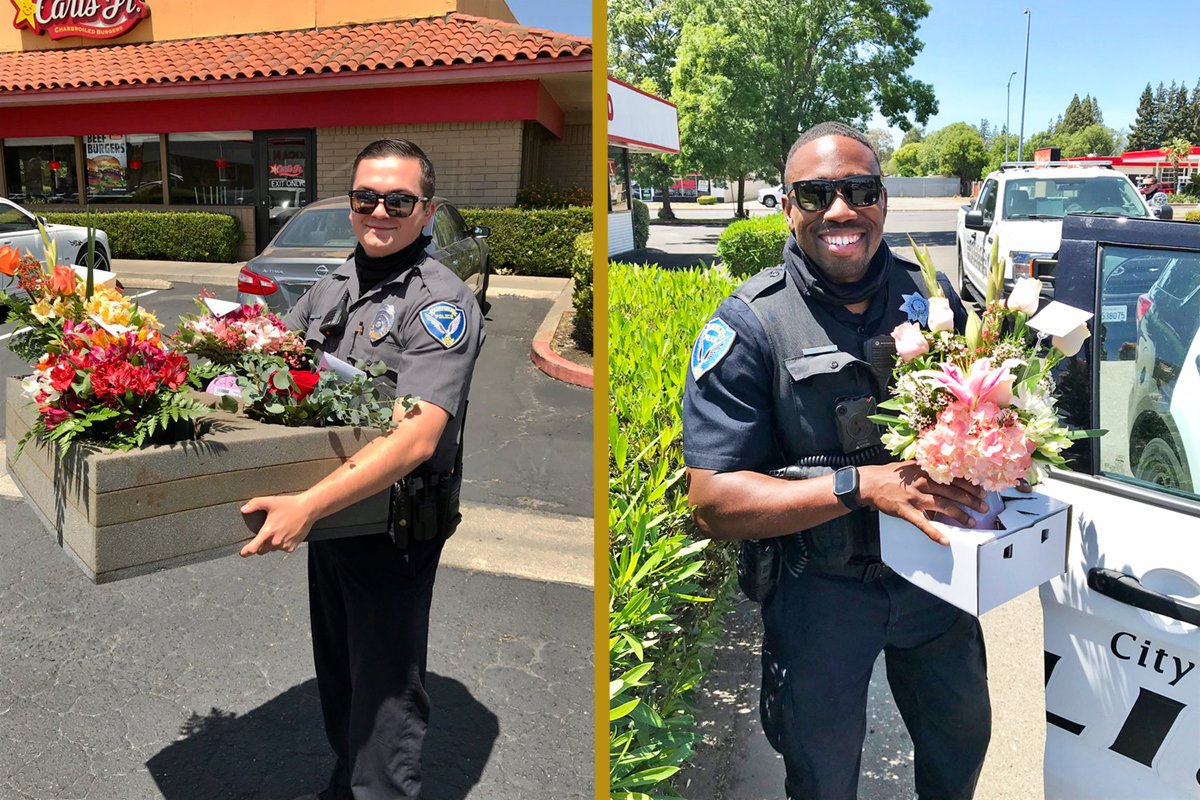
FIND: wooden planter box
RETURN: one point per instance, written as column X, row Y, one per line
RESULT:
column 124, row 514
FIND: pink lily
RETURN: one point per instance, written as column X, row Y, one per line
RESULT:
column 980, row 385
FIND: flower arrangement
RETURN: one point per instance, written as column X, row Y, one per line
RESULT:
column 276, row 394
column 236, row 338
column 978, row 406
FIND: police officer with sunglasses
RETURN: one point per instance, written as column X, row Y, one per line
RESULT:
column 369, row 596
column 781, row 455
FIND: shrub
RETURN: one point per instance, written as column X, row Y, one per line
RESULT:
column 168, row 235
column 1192, row 216
column 582, row 300
column 641, row 224
column 545, row 196
column 537, row 242
column 1181, row 197
column 662, row 621
column 750, row 245
column 707, row 200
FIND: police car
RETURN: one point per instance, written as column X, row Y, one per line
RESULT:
column 1122, row 624
column 1022, row 205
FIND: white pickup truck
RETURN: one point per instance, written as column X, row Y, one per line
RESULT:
column 1023, row 206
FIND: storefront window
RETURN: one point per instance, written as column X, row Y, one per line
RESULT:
column 41, row 170
column 618, row 179
column 124, row 168
column 211, row 168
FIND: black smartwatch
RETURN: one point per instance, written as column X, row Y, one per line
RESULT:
column 845, row 487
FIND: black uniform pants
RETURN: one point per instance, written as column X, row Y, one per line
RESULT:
column 369, row 605
column 823, row 636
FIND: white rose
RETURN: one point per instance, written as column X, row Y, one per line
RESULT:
column 1070, row 344
column 1025, row 295
column 941, row 318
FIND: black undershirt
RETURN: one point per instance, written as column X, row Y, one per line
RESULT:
column 372, row 270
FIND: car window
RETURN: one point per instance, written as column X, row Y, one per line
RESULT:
column 1055, row 197
column 1149, row 345
column 987, row 201
column 317, row 227
column 446, row 229
column 13, row 221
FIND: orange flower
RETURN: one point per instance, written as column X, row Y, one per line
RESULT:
column 8, row 260
column 62, row 282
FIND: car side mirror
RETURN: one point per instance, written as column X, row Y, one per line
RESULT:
column 481, row 232
column 1164, row 212
column 974, row 221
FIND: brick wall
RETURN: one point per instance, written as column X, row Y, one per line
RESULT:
column 568, row 161
column 477, row 163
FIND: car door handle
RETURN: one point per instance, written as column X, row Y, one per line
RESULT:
column 1129, row 590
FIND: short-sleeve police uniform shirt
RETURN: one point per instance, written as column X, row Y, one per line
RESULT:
column 423, row 323
column 728, row 415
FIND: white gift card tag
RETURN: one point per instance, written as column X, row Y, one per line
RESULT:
column 344, row 371
column 100, row 277
column 1059, row 319
column 220, row 307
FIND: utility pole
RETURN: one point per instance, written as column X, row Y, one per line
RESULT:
column 1024, row 83
column 1007, row 106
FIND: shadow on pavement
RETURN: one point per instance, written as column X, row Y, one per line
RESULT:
column 278, row 751
column 651, row 255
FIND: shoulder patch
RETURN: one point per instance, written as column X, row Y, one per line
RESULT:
column 445, row 322
column 714, row 341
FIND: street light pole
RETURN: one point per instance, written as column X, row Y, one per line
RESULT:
column 1024, row 83
column 1007, row 106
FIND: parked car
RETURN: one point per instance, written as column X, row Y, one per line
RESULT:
column 318, row 239
column 1164, row 439
column 1024, row 207
column 771, row 196
column 18, row 230
column 1122, row 624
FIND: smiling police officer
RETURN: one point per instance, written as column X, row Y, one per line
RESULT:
column 780, row 454
column 369, row 596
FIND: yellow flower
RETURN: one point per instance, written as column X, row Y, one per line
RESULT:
column 42, row 310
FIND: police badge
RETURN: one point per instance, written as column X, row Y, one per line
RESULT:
column 382, row 323
column 445, row 322
column 711, row 346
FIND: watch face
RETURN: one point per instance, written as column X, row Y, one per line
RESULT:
column 844, row 481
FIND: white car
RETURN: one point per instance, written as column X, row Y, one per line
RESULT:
column 771, row 196
column 1122, row 624
column 1023, row 207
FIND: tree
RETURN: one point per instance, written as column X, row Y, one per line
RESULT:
column 961, row 153
column 718, row 108
column 823, row 60
column 642, row 39
column 1094, row 140
column 881, row 140
column 1072, row 118
column 1146, row 131
column 1177, row 151
column 996, row 154
column 906, row 161
column 914, row 134
column 1177, row 118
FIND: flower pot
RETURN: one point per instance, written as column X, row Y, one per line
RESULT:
column 120, row 514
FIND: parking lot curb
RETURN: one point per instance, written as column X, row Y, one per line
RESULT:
column 542, row 353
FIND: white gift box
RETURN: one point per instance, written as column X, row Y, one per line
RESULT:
column 981, row 569
column 100, row 277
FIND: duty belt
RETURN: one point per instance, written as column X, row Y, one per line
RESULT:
column 859, row 569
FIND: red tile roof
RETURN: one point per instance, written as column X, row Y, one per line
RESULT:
column 404, row 45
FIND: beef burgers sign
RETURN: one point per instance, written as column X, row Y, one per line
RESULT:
column 95, row 19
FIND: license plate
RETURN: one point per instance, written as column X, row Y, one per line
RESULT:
column 1112, row 314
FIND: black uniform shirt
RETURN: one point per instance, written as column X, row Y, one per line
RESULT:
column 728, row 414
column 423, row 323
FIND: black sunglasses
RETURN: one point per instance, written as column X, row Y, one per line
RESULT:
column 859, row 191
column 396, row 204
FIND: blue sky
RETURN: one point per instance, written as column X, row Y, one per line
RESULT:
column 564, row 16
column 1104, row 48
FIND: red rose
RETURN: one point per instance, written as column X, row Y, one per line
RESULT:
column 62, row 375
column 305, row 383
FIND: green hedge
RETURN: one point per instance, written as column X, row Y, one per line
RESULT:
column 167, row 235
column 582, row 299
column 707, row 200
column 641, row 224
column 1192, row 216
column 537, row 242
column 546, row 196
column 662, row 621
column 751, row 245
